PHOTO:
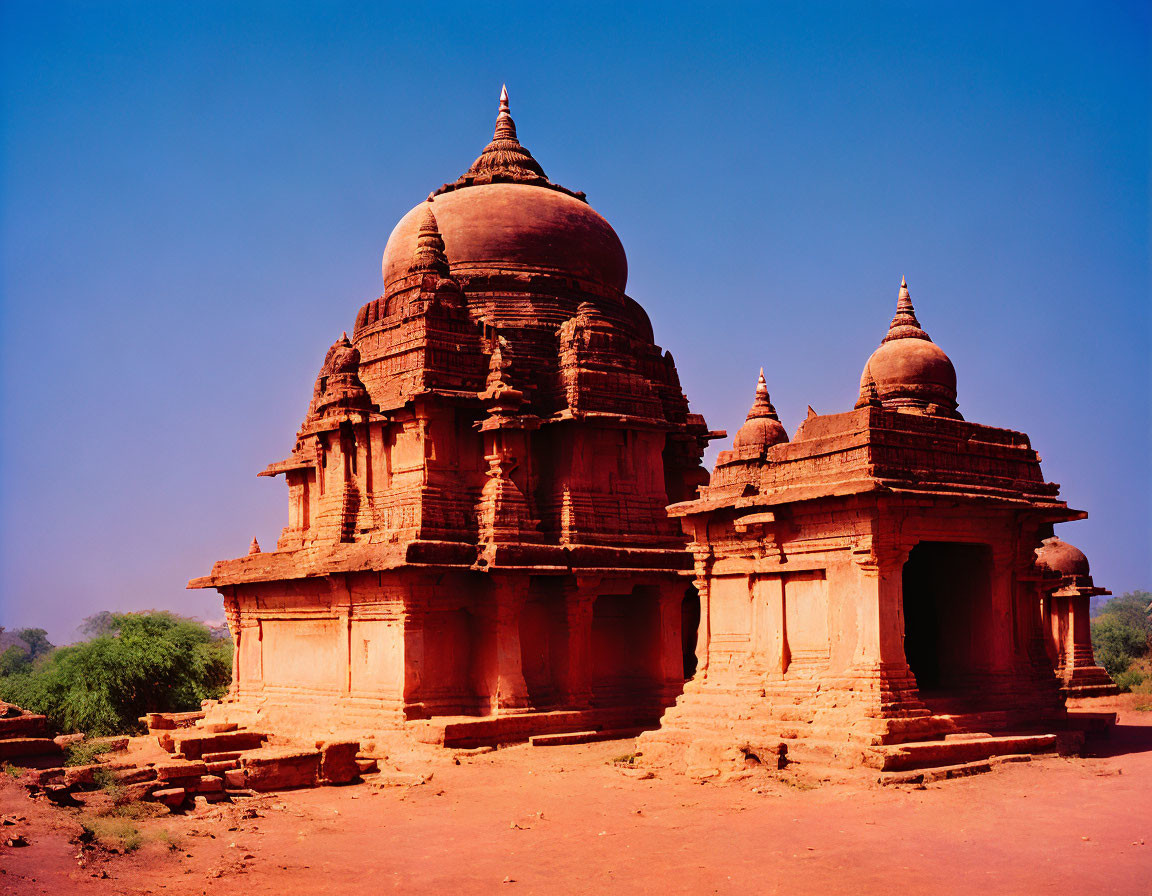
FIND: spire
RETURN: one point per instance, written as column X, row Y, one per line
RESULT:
column 504, row 155
column 762, row 406
column 429, row 254
column 254, row 548
column 905, row 325
column 505, row 126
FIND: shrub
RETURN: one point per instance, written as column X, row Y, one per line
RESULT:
column 143, row 662
column 1122, row 632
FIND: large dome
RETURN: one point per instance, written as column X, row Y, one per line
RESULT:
column 505, row 215
column 514, row 227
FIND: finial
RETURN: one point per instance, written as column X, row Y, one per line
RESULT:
column 254, row 548
column 343, row 335
column 762, row 406
column 904, row 324
column 505, row 126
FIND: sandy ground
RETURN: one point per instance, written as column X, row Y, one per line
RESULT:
column 566, row 820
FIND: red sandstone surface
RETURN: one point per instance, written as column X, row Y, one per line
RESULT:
column 567, row 820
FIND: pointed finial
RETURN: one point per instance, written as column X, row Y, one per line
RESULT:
column 343, row 335
column 904, row 324
column 505, row 126
column 254, row 548
column 762, row 406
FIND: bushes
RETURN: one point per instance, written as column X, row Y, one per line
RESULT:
column 1122, row 635
column 142, row 662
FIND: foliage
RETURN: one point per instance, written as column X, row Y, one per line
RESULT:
column 84, row 752
column 139, row 663
column 20, row 659
column 37, row 641
column 1122, row 633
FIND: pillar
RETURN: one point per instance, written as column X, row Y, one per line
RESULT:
column 503, row 669
column 575, row 665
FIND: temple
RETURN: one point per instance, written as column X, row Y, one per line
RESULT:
column 499, row 527
column 884, row 589
column 477, row 545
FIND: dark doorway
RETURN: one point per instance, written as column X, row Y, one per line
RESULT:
column 947, row 612
column 689, row 629
column 625, row 646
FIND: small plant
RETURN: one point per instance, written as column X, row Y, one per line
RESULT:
column 1130, row 679
column 12, row 771
column 626, row 759
column 84, row 752
column 118, row 834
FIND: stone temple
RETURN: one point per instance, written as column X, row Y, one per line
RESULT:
column 477, row 545
column 499, row 527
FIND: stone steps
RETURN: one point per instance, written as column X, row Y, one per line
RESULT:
column 484, row 731
column 584, row 737
column 958, row 750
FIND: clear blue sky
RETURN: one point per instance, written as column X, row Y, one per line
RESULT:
column 195, row 198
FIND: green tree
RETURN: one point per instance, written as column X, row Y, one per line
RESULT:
column 37, row 641
column 1123, row 631
column 144, row 662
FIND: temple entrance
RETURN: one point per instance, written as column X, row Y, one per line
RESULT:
column 625, row 646
column 689, row 629
column 947, row 613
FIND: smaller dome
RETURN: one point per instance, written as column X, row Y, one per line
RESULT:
column 762, row 428
column 1056, row 555
column 909, row 370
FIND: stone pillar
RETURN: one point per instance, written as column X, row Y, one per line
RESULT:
column 1001, row 592
column 575, row 668
column 671, row 642
column 232, row 614
column 504, row 672
column 702, row 567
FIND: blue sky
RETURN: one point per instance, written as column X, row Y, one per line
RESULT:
column 195, row 198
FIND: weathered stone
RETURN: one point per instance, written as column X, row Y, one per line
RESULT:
column 172, row 797
column 338, row 762
column 488, row 470
column 167, row 771
column 276, row 768
column 868, row 589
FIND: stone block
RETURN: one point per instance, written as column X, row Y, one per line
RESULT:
column 281, row 768
column 235, row 779
column 167, row 771
column 28, row 725
column 338, row 762
column 132, row 793
column 172, row 797
column 195, row 744
column 25, row 747
column 128, row 776
column 218, row 768
column 209, row 784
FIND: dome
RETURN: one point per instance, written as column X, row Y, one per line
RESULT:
column 762, row 428
column 909, row 370
column 504, row 215
column 1060, row 557
column 514, row 227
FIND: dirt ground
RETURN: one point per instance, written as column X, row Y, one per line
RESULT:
column 567, row 820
